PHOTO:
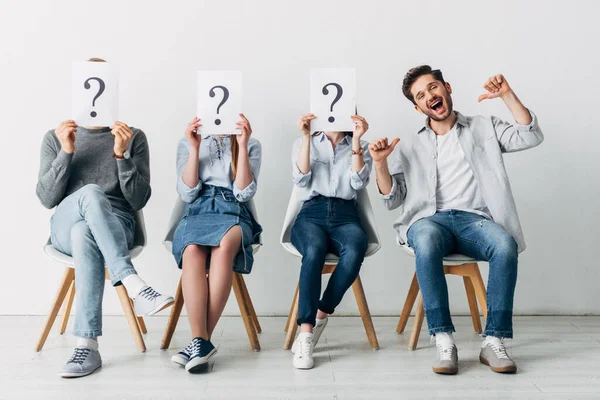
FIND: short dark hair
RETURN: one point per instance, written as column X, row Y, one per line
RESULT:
column 415, row 73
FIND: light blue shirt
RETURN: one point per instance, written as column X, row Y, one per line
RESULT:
column 331, row 173
column 214, row 167
column 483, row 141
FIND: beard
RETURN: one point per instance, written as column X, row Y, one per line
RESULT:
column 443, row 112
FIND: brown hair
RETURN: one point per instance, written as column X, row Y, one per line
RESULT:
column 415, row 73
column 235, row 151
column 96, row 59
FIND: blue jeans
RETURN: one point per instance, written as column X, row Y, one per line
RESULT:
column 461, row 232
column 327, row 224
column 86, row 227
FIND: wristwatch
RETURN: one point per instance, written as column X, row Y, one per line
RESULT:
column 357, row 152
column 126, row 155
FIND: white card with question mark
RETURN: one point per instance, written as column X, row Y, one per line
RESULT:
column 332, row 99
column 94, row 94
column 219, row 102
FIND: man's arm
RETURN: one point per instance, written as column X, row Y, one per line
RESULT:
column 134, row 173
column 55, row 169
column 391, row 188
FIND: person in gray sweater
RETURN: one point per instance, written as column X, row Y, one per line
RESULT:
column 97, row 178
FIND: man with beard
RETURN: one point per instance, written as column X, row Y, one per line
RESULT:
column 454, row 196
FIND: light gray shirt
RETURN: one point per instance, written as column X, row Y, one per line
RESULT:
column 483, row 141
column 125, row 182
column 214, row 167
column 331, row 173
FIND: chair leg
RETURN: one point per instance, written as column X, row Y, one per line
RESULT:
column 479, row 287
column 363, row 308
column 173, row 318
column 248, row 301
column 245, row 312
column 68, row 277
column 294, row 300
column 139, row 320
column 413, row 291
column 472, row 303
column 292, row 326
column 131, row 318
column 66, row 311
column 416, row 330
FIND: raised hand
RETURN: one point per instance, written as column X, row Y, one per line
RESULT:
column 497, row 86
column 65, row 132
column 244, row 126
column 191, row 133
column 304, row 123
column 123, row 135
column 380, row 149
column 361, row 126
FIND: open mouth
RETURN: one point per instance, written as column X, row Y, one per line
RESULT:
column 437, row 105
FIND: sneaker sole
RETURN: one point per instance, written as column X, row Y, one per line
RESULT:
column 71, row 375
column 445, row 371
column 304, row 366
column 180, row 360
column 198, row 362
column 501, row 370
column 158, row 308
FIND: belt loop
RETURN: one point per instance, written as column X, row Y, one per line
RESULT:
column 223, row 194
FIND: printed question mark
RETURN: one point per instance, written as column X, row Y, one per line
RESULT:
column 338, row 96
column 101, row 87
column 212, row 93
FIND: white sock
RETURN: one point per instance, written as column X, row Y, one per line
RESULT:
column 446, row 339
column 90, row 343
column 320, row 321
column 304, row 335
column 496, row 341
column 134, row 284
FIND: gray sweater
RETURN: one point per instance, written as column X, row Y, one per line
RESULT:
column 126, row 183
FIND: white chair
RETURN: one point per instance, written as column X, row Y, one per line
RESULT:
column 239, row 286
column 367, row 219
column 454, row 264
column 66, row 292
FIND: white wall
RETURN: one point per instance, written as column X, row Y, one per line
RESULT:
column 547, row 50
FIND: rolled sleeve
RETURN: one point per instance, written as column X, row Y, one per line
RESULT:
column 359, row 180
column 300, row 179
column 186, row 193
column 516, row 137
column 243, row 195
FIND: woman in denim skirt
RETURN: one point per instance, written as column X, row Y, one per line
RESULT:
column 216, row 175
column 329, row 168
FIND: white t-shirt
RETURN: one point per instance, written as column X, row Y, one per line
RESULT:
column 456, row 186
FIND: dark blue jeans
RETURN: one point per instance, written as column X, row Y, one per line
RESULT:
column 327, row 224
column 453, row 231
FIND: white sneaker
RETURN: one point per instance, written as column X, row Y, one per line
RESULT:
column 317, row 331
column 148, row 302
column 303, row 358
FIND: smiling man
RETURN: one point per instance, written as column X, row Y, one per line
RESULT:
column 454, row 196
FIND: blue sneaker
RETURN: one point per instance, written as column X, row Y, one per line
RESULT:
column 183, row 356
column 202, row 351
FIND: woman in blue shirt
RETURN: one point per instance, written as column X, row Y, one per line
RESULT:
column 329, row 168
column 216, row 175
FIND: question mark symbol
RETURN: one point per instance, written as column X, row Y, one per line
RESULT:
column 338, row 96
column 101, row 87
column 212, row 93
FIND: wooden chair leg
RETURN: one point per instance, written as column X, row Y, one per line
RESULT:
column 66, row 311
column 68, row 277
column 294, row 300
column 363, row 308
column 131, row 318
column 173, row 318
column 472, row 303
column 479, row 287
column 248, row 301
column 245, row 312
column 416, row 330
column 292, row 323
column 139, row 320
column 413, row 291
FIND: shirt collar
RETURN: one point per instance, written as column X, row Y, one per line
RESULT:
column 460, row 119
column 346, row 139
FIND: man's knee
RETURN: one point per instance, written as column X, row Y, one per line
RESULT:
column 504, row 246
column 92, row 194
column 81, row 237
column 426, row 238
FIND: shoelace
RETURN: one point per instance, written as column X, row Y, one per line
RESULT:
column 149, row 293
column 196, row 347
column 445, row 352
column 188, row 350
column 305, row 346
column 79, row 355
column 499, row 350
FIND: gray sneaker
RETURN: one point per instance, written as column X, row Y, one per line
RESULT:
column 446, row 360
column 83, row 362
column 494, row 355
column 148, row 302
column 317, row 331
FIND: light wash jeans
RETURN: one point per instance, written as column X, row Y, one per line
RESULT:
column 86, row 227
column 474, row 236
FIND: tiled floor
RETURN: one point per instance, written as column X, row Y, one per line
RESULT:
column 558, row 358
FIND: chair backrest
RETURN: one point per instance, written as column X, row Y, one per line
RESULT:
column 177, row 214
column 365, row 212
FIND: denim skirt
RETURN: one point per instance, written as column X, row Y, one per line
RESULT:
column 208, row 218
